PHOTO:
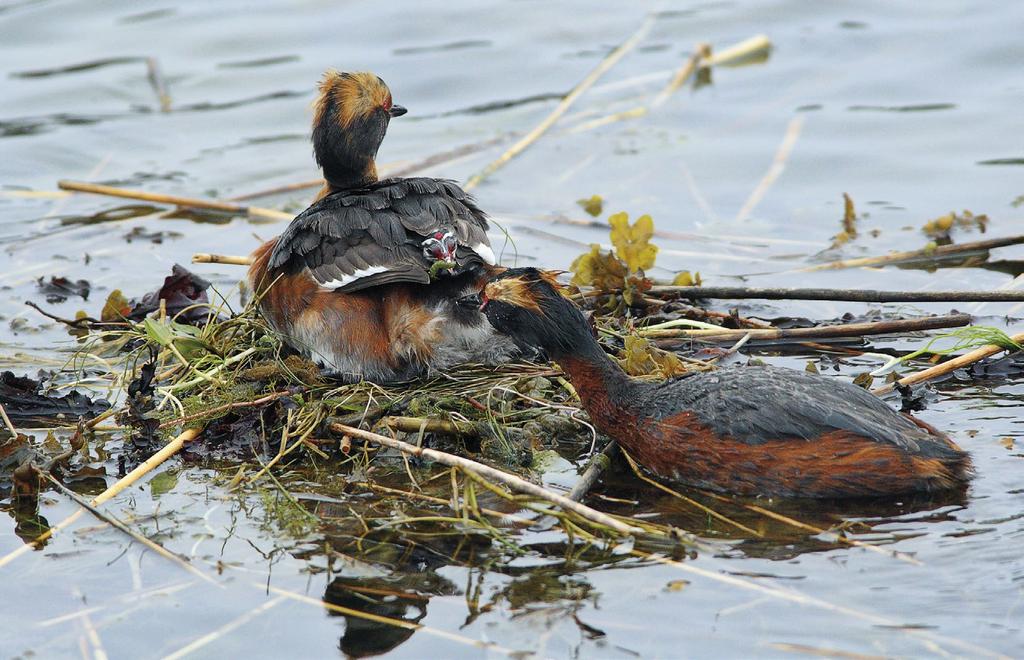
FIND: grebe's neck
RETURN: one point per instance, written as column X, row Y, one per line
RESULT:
column 346, row 176
column 604, row 388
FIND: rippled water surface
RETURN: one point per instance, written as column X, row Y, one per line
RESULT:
column 913, row 109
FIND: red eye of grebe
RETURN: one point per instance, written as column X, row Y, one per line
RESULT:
column 387, row 104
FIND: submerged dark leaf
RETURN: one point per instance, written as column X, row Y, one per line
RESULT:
column 24, row 399
column 59, row 289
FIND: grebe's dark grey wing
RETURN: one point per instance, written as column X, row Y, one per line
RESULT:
column 385, row 234
column 758, row 404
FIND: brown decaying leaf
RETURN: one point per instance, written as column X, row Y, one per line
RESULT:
column 117, row 307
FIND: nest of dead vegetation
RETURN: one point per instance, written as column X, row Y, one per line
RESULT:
column 181, row 360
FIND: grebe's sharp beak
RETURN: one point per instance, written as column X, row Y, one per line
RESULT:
column 472, row 301
column 397, row 111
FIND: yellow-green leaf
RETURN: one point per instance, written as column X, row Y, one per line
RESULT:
column 164, row 482
column 632, row 242
column 583, row 266
column 158, row 332
column 593, row 205
column 686, row 278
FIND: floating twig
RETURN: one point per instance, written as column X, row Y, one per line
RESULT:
column 757, row 46
column 852, row 295
column 946, row 367
column 599, row 462
column 225, row 629
column 170, row 449
column 701, row 54
column 232, row 260
column 7, row 421
column 702, row 57
column 775, row 170
column 175, row 200
column 817, row 332
column 120, row 526
column 924, row 254
column 156, row 79
column 481, row 470
column 606, row 64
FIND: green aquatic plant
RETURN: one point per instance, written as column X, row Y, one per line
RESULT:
column 970, row 337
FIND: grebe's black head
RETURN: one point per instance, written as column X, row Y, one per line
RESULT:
column 352, row 115
column 527, row 305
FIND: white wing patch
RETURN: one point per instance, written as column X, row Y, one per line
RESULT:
column 485, row 252
column 349, row 279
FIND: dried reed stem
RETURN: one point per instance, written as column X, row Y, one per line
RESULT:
column 821, row 331
column 7, row 421
column 606, row 65
column 775, row 169
column 847, row 330
column 207, row 258
column 189, row 202
column 120, row 526
column 852, row 295
column 964, row 360
column 170, row 449
column 924, row 254
column 479, row 469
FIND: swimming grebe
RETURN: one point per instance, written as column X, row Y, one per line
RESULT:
column 365, row 280
column 748, row 430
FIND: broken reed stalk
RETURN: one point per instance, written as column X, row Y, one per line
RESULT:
column 946, row 367
column 523, row 144
column 227, row 628
column 701, row 57
column 821, row 331
column 120, row 526
column 924, row 254
column 481, row 470
column 170, row 449
column 775, row 170
column 175, row 200
column 207, row 258
column 424, row 425
column 509, row 517
column 700, row 54
column 721, row 575
column 156, row 80
column 598, row 464
column 7, row 422
column 871, row 547
column 851, row 295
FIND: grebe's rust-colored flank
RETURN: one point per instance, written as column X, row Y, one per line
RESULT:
column 748, row 430
column 354, row 281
